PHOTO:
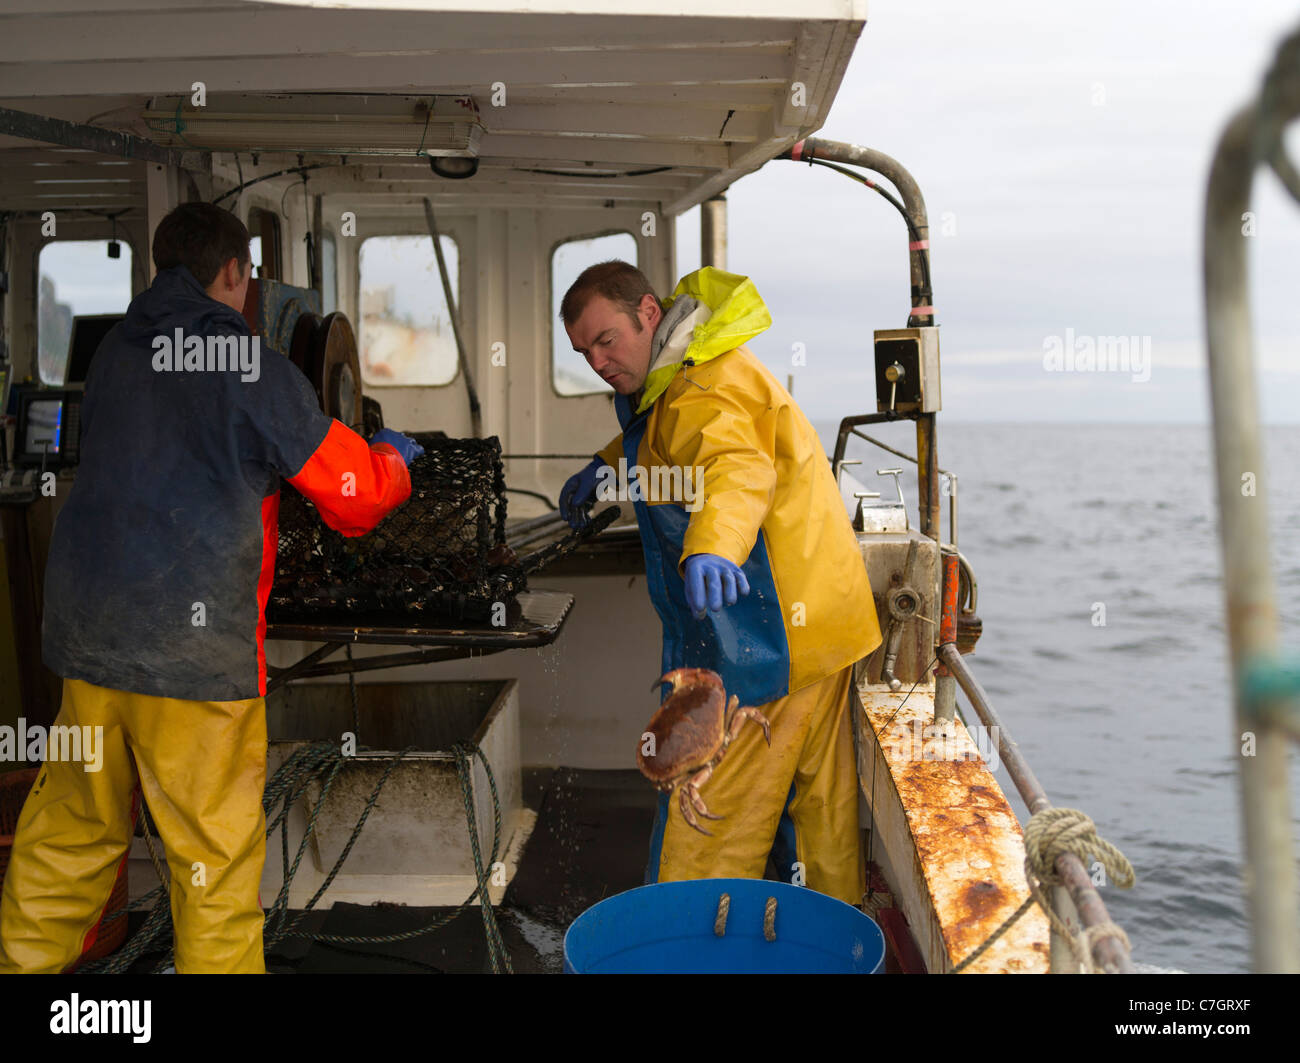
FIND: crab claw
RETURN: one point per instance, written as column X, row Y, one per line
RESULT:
column 690, row 801
column 688, row 797
column 739, row 716
column 680, row 677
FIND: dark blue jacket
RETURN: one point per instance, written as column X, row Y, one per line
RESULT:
column 163, row 555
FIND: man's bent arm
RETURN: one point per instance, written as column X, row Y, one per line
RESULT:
column 713, row 432
column 353, row 484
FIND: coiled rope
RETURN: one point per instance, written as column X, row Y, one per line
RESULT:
column 309, row 763
column 1048, row 834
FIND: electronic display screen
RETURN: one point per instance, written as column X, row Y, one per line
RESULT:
column 44, row 426
column 88, row 332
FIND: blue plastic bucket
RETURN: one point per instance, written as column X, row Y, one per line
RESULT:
column 668, row 928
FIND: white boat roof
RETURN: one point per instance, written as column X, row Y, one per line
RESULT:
column 597, row 91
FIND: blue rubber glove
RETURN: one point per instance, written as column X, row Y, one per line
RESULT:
column 578, row 492
column 407, row 447
column 710, row 580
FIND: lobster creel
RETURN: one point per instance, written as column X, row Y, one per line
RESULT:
column 441, row 554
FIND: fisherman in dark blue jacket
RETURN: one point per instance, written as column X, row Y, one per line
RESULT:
column 159, row 571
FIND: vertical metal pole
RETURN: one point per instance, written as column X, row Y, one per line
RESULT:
column 945, row 685
column 1270, row 885
column 318, row 233
column 952, row 507
column 713, row 232
column 453, row 312
column 927, row 474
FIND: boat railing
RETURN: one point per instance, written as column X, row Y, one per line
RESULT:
column 1266, row 689
column 1073, row 895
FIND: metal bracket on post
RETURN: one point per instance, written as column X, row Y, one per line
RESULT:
column 903, row 603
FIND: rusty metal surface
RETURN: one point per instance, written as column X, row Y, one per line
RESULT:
column 965, row 871
column 1109, row 951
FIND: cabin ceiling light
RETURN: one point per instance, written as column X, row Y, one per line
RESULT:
column 335, row 123
column 452, row 167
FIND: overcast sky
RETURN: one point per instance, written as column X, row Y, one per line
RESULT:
column 1067, row 148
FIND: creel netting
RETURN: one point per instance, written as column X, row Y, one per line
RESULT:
column 440, row 554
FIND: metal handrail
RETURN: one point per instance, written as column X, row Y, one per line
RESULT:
column 1253, row 136
column 912, row 206
column 1109, row 951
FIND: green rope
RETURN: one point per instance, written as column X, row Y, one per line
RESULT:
column 179, row 129
column 289, row 784
column 464, row 766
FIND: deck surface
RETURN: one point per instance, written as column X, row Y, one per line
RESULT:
column 590, row 842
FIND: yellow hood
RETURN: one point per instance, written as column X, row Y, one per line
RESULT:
column 735, row 313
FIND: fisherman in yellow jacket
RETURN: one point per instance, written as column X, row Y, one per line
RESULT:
column 752, row 566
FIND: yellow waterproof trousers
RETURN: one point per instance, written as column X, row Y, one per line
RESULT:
column 797, row 800
column 202, row 768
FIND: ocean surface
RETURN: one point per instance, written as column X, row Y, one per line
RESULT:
column 1130, row 721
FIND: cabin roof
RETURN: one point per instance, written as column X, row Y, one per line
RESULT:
column 697, row 95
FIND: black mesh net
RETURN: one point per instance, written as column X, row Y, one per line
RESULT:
column 441, row 554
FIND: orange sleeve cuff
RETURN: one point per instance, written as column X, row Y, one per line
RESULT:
column 354, row 485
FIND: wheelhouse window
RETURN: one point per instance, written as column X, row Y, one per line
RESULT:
column 75, row 278
column 264, row 228
column 570, row 373
column 406, row 336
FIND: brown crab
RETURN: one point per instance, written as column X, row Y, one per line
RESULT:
column 690, row 734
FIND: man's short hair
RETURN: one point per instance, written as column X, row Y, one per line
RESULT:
column 620, row 282
column 202, row 238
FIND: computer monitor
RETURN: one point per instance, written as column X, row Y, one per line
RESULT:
column 88, row 332
column 49, row 427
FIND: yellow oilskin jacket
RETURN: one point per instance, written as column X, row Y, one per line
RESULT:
column 729, row 465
